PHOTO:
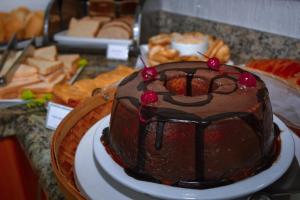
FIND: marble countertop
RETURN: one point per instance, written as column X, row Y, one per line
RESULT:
column 28, row 125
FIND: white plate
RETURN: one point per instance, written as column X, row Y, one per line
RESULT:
column 235, row 190
column 91, row 180
column 85, row 42
column 144, row 51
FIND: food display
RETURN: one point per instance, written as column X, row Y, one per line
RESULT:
column 191, row 46
column 23, row 21
column 40, row 72
column 101, row 27
column 72, row 95
column 285, row 70
column 192, row 124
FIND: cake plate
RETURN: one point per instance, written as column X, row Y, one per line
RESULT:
column 111, row 177
column 92, row 181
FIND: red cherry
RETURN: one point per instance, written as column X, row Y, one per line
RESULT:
column 149, row 97
column 149, row 73
column 213, row 63
column 247, row 79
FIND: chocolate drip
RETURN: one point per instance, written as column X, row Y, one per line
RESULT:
column 169, row 98
column 139, row 176
column 261, row 96
column 189, row 88
column 129, row 78
column 105, row 136
column 201, row 184
column 199, row 151
column 141, row 156
column 159, row 134
column 277, row 131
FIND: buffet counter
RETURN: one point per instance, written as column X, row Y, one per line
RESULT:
column 28, row 126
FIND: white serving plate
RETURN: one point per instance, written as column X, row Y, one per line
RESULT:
column 90, row 171
column 92, row 181
column 143, row 53
column 87, row 42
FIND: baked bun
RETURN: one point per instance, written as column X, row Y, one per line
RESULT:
column 13, row 24
column 34, row 25
column 2, row 31
column 24, row 22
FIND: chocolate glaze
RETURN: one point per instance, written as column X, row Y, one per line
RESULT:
column 170, row 109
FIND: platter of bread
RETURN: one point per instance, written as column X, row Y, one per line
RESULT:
column 25, row 22
column 73, row 94
column 97, row 32
column 173, row 47
column 40, row 72
column 47, row 72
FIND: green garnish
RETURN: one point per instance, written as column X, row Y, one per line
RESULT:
column 82, row 62
column 27, row 95
column 32, row 101
column 47, row 96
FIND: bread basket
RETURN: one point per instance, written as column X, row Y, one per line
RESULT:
column 68, row 135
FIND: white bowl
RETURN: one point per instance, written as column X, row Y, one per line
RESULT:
column 187, row 49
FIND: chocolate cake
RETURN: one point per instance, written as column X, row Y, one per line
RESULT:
column 205, row 129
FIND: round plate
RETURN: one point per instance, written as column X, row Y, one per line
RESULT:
column 92, row 182
column 235, row 190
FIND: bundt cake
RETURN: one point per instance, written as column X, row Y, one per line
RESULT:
column 200, row 128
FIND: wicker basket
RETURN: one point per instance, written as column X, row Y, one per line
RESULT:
column 68, row 135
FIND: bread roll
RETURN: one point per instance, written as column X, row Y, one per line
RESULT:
column 21, row 13
column 2, row 32
column 13, row 24
column 34, row 25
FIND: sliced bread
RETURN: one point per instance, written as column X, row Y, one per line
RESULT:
column 70, row 63
column 52, row 76
column 24, row 71
column 11, row 89
column 44, row 67
column 44, row 87
column 118, row 23
column 69, row 60
column 114, row 32
column 46, row 53
column 83, row 28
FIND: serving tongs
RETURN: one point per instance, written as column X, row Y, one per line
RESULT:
column 12, row 58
